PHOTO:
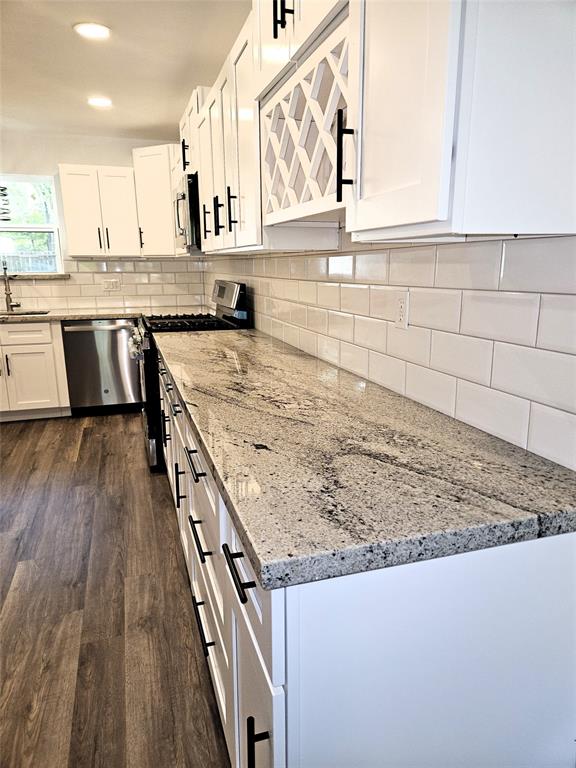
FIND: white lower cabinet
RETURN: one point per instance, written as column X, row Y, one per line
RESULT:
column 439, row 663
column 32, row 370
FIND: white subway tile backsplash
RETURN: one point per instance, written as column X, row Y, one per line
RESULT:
column 387, row 371
column 307, row 292
column 500, row 414
column 354, row 358
column 329, row 295
column 308, row 342
column 371, row 333
column 372, row 267
column 329, row 349
column 552, row 434
column 317, row 320
column 462, row 356
column 431, row 388
column 557, row 326
column 384, row 301
column 410, row 343
column 536, row 374
column 544, row 265
column 341, row 326
column 297, row 268
column 341, row 267
column 317, row 268
column 435, row 308
column 291, row 335
column 469, row 265
column 298, row 315
column 355, row 299
column 412, row 266
column 291, row 290
column 499, row 315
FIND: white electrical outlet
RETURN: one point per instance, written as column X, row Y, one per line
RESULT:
column 402, row 311
column 111, row 284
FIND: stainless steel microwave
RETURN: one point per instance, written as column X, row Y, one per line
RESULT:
column 187, row 215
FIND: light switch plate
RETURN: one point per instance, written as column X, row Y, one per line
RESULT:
column 111, row 284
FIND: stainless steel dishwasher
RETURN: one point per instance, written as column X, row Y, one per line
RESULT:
column 99, row 369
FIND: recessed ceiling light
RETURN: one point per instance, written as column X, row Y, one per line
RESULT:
column 100, row 102
column 92, row 31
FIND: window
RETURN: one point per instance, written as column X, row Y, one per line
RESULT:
column 29, row 239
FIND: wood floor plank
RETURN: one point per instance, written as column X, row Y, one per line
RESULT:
column 98, row 737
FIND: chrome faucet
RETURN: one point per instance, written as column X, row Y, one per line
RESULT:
column 10, row 305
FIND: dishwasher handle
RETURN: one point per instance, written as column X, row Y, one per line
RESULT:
column 76, row 328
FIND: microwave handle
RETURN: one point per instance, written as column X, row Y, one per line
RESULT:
column 179, row 229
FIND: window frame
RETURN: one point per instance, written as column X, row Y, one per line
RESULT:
column 54, row 228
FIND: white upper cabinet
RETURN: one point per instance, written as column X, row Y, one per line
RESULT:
column 152, row 175
column 99, row 204
column 119, row 215
column 81, row 209
column 463, row 116
column 188, row 149
column 309, row 16
column 206, row 184
column 302, row 126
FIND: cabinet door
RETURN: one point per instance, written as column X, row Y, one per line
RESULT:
column 154, row 200
column 4, row 402
column 31, row 376
column 404, row 77
column 272, row 42
column 260, row 714
column 206, row 183
column 118, row 203
column 244, row 207
column 81, row 208
column 221, row 236
column 309, row 16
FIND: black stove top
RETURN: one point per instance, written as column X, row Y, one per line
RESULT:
column 197, row 322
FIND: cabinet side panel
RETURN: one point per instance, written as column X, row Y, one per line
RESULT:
column 467, row 660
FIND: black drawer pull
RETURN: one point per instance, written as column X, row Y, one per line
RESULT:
column 163, row 371
column 177, row 473
column 229, row 198
column 176, row 410
column 284, row 12
column 241, row 586
column 195, row 474
column 205, row 213
column 217, row 225
column 340, row 133
column 185, row 162
column 141, row 237
column 201, row 553
column 276, row 23
column 169, row 387
column 163, row 421
column 205, row 644
column 252, row 738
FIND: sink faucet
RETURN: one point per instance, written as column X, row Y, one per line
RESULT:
column 10, row 305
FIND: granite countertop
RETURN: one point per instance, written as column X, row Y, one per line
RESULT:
column 325, row 474
column 87, row 314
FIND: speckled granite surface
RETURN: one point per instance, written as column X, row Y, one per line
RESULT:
column 325, row 474
column 86, row 315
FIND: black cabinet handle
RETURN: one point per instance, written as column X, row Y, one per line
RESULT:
column 202, row 554
column 205, row 644
column 141, row 240
column 340, row 133
column 163, row 371
column 99, row 238
column 107, row 238
column 169, row 387
column 165, row 435
column 241, row 586
column 185, row 163
column 176, row 410
column 252, row 738
column 275, row 19
column 177, row 473
column 217, row 225
column 195, row 474
column 7, row 364
column 284, row 12
column 205, row 213
column 230, row 197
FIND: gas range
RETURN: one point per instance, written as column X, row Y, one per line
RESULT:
column 193, row 322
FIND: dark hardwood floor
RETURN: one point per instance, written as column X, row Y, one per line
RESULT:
column 100, row 662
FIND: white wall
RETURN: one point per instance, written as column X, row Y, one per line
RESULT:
column 491, row 338
column 39, row 153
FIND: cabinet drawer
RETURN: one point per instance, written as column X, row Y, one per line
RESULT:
column 25, row 333
column 261, row 707
column 263, row 609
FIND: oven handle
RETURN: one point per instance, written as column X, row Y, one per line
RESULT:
column 78, row 328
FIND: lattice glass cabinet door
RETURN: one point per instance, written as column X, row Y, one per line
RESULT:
column 299, row 130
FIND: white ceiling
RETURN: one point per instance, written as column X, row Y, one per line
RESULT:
column 158, row 51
